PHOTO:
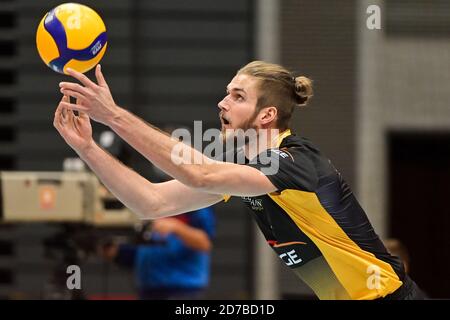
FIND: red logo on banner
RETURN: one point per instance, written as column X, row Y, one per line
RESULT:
column 47, row 198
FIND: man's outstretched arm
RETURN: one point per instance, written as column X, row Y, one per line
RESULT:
column 137, row 193
column 198, row 171
column 149, row 200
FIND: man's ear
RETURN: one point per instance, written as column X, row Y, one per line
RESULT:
column 268, row 115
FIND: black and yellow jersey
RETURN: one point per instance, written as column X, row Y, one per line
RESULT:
column 317, row 227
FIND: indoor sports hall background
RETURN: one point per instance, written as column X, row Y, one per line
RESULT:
column 381, row 112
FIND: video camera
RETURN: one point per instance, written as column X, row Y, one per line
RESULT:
column 68, row 197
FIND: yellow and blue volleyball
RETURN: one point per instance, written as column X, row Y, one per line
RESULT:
column 71, row 35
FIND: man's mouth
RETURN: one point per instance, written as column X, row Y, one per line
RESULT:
column 224, row 120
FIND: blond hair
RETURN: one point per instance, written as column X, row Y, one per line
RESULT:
column 279, row 88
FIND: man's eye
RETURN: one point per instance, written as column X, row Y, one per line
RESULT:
column 239, row 98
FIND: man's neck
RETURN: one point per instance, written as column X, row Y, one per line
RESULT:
column 265, row 139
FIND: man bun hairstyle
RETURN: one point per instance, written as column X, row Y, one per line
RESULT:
column 279, row 88
column 303, row 90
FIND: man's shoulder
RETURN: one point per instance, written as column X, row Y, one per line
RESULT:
column 295, row 141
column 297, row 147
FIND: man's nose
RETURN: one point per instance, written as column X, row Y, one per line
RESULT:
column 222, row 105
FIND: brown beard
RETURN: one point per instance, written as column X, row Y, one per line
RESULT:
column 248, row 124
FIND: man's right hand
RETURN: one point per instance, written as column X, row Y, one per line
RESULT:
column 76, row 130
column 96, row 98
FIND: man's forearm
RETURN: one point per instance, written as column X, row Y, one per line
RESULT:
column 158, row 148
column 130, row 188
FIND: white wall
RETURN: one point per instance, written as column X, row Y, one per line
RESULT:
column 404, row 83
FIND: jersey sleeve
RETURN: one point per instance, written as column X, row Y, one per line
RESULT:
column 288, row 169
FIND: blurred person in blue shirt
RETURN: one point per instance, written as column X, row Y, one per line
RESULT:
column 175, row 263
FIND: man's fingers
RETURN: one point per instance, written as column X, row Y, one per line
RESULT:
column 74, row 87
column 67, row 119
column 71, row 119
column 99, row 75
column 64, row 115
column 78, row 96
column 58, row 120
column 64, row 99
column 61, row 115
column 81, row 77
column 79, row 122
column 70, row 114
column 83, row 115
column 72, row 106
column 57, row 116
